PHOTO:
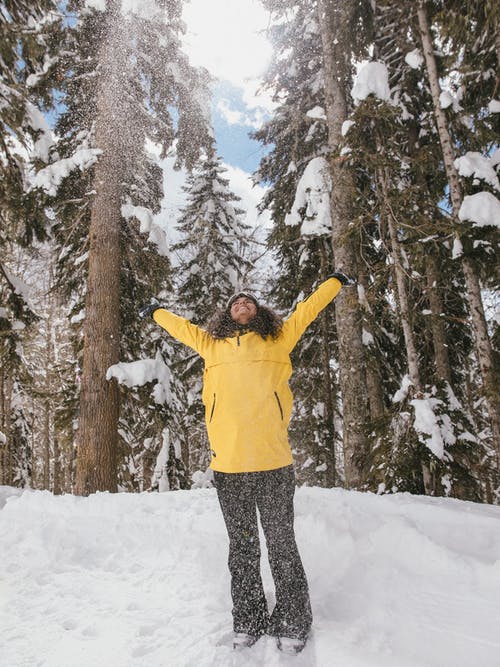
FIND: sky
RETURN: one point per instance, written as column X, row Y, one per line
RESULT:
column 141, row 579
column 229, row 39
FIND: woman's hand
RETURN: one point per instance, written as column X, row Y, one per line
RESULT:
column 148, row 309
column 345, row 280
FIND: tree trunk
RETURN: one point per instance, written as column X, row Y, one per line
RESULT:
column 328, row 448
column 57, row 487
column 483, row 343
column 441, row 357
column 402, row 292
column 3, row 428
column 328, row 418
column 373, row 375
column 46, row 444
column 334, row 19
column 99, row 398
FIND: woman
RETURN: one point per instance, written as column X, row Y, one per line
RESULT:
column 248, row 403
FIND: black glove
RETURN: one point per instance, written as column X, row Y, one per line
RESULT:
column 149, row 309
column 345, row 280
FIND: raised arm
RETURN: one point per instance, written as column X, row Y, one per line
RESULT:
column 308, row 310
column 178, row 327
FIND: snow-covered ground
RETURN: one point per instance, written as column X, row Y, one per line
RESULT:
column 139, row 580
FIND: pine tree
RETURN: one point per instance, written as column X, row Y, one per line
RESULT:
column 124, row 72
column 339, row 23
column 388, row 159
column 483, row 343
column 28, row 35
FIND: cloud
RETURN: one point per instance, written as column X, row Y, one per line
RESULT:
column 229, row 39
column 241, row 184
column 235, row 117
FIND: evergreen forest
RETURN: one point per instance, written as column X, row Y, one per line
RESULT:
column 382, row 161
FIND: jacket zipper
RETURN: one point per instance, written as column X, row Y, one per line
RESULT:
column 279, row 404
column 212, row 410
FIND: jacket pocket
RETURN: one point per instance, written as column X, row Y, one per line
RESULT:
column 279, row 404
column 212, row 410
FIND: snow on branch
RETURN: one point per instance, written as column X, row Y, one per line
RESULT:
column 372, row 79
column 482, row 209
column 480, row 167
column 313, row 195
column 45, row 141
column 147, row 225
column 138, row 373
column 49, row 178
column 414, row 59
column 437, row 430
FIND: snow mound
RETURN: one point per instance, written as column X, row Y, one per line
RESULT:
column 125, row 580
column 372, row 79
column 414, row 59
column 311, row 206
column 483, row 209
column 480, row 167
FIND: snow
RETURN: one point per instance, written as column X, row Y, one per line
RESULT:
column 313, row 195
column 99, row 5
column 414, row 59
column 21, row 288
column 160, row 472
column 50, row 177
column 346, row 126
column 33, row 79
column 147, row 225
column 134, row 580
column 45, row 141
column 145, row 9
column 367, row 338
column 445, row 99
column 494, row 106
column 317, row 112
column 476, row 165
column 138, row 373
column 482, row 209
column 372, row 79
column 402, row 392
column 458, row 249
column 437, row 430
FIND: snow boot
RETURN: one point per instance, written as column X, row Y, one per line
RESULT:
column 291, row 645
column 242, row 640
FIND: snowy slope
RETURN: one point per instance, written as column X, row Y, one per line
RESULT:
column 140, row 580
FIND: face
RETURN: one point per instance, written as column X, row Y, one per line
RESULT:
column 243, row 310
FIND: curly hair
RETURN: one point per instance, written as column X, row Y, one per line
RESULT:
column 266, row 323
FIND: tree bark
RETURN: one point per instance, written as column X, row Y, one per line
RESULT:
column 99, row 398
column 483, row 343
column 329, row 445
column 334, row 20
column 57, row 486
column 46, row 444
column 373, row 376
column 441, row 357
column 328, row 453
column 3, row 427
column 402, row 292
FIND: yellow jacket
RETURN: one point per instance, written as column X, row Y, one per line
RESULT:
column 247, row 399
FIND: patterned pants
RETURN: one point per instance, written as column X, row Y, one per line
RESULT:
column 271, row 492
